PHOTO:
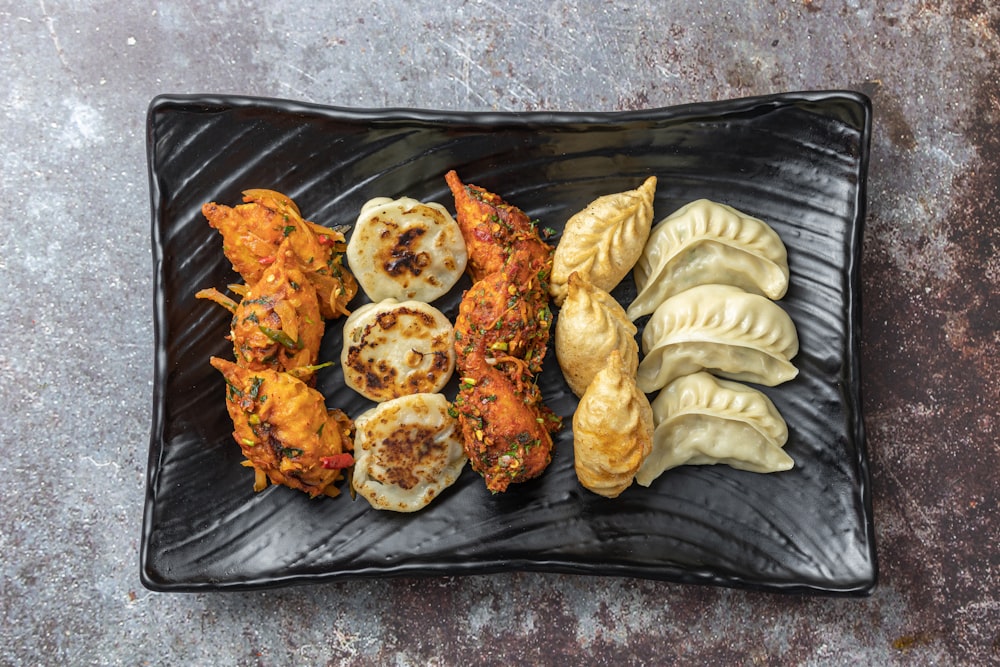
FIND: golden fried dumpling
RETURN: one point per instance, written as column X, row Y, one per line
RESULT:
column 721, row 329
column 394, row 348
column 703, row 420
column 590, row 325
column 405, row 249
column 708, row 243
column 612, row 430
column 408, row 450
column 603, row 241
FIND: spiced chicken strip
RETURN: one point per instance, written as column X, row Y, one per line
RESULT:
column 501, row 335
column 495, row 230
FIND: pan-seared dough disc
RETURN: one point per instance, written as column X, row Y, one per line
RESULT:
column 394, row 348
column 405, row 249
column 407, row 451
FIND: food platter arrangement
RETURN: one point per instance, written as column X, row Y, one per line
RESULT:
column 406, row 342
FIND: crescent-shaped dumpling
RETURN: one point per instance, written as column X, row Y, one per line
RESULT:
column 603, row 241
column 612, row 430
column 405, row 249
column 702, row 420
column 721, row 329
column 705, row 242
column 590, row 325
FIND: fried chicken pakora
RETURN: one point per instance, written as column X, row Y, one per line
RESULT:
column 495, row 230
column 506, row 314
column 506, row 428
column 252, row 233
column 285, row 430
column 501, row 335
column 294, row 280
column 277, row 324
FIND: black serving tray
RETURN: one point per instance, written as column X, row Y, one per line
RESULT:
column 798, row 161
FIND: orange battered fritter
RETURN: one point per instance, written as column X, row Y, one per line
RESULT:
column 252, row 233
column 285, row 430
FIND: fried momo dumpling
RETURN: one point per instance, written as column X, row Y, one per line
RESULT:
column 721, row 329
column 702, row 420
column 394, row 348
column 704, row 243
column 590, row 325
column 603, row 241
column 612, row 430
column 405, row 249
column 407, row 451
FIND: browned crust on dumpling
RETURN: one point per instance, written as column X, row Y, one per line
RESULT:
column 392, row 349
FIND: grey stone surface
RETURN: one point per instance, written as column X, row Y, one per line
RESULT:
column 77, row 342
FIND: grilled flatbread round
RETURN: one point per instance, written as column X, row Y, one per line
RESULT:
column 394, row 348
column 407, row 451
column 405, row 249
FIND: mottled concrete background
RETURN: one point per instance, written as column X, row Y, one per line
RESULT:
column 76, row 338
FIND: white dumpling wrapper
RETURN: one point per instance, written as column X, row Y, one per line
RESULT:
column 706, row 242
column 603, row 241
column 721, row 329
column 703, row 420
column 394, row 348
column 407, row 451
column 590, row 325
column 406, row 249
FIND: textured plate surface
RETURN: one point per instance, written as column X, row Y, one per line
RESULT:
column 798, row 161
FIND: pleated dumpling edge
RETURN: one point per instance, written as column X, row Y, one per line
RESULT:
column 721, row 329
column 705, row 242
column 704, row 420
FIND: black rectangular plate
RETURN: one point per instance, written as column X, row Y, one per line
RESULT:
column 798, row 161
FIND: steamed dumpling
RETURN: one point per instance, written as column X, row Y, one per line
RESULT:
column 705, row 242
column 603, row 241
column 590, row 325
column 702, row 420
column 721, row 329
column 612, row 430
column 405, row 249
